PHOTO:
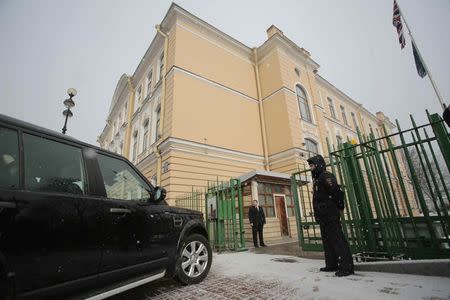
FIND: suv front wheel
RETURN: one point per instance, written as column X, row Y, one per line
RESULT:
column 194, row 259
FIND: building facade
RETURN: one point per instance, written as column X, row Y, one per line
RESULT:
column 203, row 106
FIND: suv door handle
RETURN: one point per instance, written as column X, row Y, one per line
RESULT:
column 7, row 205
column 119, row 211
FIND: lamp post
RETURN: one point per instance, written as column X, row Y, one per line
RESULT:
column 68, row 103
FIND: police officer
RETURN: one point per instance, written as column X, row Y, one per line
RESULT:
column 328, row 203
column 257, row 220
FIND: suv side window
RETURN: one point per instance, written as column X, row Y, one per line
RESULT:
column 121, row 181
column 51, row 166
column 9, row 158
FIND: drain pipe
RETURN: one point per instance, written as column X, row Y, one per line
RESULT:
column 163, row 106
column 261, row 113
column 126, row 148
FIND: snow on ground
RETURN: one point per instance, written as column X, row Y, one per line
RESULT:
column 303, row 277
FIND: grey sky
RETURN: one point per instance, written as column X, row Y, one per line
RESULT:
column 49, row 46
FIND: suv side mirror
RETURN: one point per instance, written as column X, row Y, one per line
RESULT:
column 160, row 194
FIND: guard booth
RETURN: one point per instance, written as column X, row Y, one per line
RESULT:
column 397, row 194
column 225, row 206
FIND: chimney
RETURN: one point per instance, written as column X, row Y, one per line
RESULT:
column 382, row 119
column 273, row 30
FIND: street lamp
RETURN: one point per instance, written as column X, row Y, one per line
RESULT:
column 68, row 103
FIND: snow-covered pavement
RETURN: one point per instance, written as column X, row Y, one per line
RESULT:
column 247, row 275
column 303, row 276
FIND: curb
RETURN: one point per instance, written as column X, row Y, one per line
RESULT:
column 428, row 267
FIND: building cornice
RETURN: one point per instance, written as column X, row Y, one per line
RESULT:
column 121, row 88
column 209, row 151
column 288, row 155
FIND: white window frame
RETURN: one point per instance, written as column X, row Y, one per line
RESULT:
column 344, row 115
column 161, row 65
column 137, row 98
column 145, row 125
column 135, row 145
column 331, row 108
column 355, row 123
column 306, row 103
column 149, row 82
column 313, row 142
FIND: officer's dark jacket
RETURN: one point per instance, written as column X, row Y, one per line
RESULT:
column 256, row 216
column 326, row 189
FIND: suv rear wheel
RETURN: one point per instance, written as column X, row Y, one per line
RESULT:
column 194, row 259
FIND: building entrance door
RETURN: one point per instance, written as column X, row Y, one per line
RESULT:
column 281, row 214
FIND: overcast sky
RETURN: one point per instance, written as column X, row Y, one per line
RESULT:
column 49, row 46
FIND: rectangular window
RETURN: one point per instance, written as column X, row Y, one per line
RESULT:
column 290, row 206
column 145, row 138
column 161, row 66
column 137, row 99
column 338, row 139
column 149, row 83
column 121, row 181
column 331, row 106
column 265, row 196
column 311, row 147
column 158, row 117
column 59, row 170
column 135, row 145
column 9, row 158
column 344, row 116
column 355, row 124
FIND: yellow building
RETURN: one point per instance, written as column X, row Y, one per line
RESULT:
column 203, row 106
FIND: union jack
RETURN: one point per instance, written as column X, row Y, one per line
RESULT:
column 397, row 22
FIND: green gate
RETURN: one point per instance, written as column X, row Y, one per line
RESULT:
column 397, row 194
column 222, row 208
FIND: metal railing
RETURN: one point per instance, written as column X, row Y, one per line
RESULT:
column 222, row 208
column 397, row 193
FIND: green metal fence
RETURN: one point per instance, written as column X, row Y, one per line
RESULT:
column 222, row 208
column 397, row 193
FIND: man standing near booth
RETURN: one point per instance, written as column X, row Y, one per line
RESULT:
column 257, row 220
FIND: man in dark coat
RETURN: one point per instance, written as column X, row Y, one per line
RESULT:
column 327, row 205
column 257, row 220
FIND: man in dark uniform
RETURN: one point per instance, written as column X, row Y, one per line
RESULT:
column 257, row 220
column 327, row 205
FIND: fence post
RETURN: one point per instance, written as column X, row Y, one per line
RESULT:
column 359, row 188
column 418, row 189
column 241, row 216
column 441, row 135
column 294, row 188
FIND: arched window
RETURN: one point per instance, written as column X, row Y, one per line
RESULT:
column 311, row 147
column 303, row 104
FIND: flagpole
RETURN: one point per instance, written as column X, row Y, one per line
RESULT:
column 436, row 90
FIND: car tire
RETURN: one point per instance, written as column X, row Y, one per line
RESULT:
column 194, row 260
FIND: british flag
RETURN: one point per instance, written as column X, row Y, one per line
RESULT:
column 397, row 22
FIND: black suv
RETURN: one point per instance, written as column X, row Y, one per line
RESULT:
column 79, row 221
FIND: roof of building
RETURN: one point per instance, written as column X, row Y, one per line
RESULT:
column 254, row 173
